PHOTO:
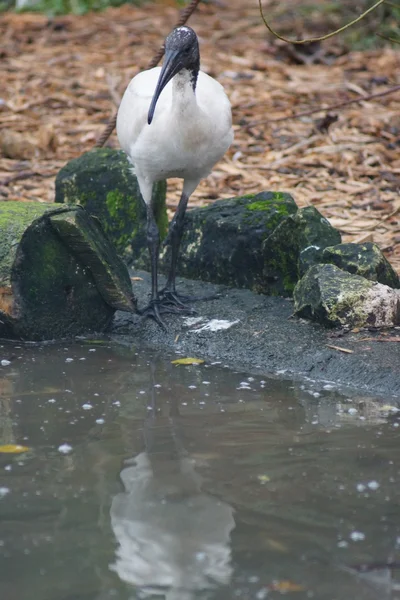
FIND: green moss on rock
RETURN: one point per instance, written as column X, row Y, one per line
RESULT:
column 331, row 296
column 337, row 298
column 102, row 182
column 366, row 260
column 223, row 242
column 15, row 217
column 305, row 231
column 60, row 274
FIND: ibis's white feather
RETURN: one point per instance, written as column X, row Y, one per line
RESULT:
column 189, row 133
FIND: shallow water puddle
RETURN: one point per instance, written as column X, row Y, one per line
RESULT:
column 126, row 476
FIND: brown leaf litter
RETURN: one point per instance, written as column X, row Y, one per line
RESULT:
column 63, row 78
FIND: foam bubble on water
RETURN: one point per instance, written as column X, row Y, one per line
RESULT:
column 373, row 485
column 357, row 536
column 65, row 448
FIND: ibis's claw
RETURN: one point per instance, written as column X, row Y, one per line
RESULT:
column 152, row 311
column 172, row 298
column 156, row 308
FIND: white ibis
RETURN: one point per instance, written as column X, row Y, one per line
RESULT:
column 173, row 121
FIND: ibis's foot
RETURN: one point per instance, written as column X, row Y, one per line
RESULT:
column 153, row 311
column 156, row 308
column 172, row 298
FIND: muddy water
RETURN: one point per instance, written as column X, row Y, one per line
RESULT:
column 147, row 480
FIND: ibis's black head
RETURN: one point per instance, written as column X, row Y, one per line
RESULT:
column 181, row 52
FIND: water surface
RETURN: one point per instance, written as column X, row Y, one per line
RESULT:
column 148, row 480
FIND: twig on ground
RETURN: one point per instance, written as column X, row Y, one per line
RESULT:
column 307, row 113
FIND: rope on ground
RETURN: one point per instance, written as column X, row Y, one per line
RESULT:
column 184, row 17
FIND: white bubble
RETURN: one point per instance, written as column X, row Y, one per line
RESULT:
column 357, row 536
column 373, row 485
column 65, row 448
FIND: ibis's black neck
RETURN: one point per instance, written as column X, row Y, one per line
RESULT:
column 184, row 85
column 194, row 74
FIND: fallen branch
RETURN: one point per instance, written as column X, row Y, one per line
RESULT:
column 24, row 175
column 17, row 177
column 380, row 339
column 185, row 15
column 307, row 113
column 340, row 349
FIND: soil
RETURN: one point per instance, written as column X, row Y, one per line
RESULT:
column 263, row 337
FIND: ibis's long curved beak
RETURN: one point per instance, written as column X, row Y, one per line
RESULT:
column 171, row 66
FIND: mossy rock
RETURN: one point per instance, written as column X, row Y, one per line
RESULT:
column 222, row 243
column 337, row 298
column 59, row 274
column 103, row 183
column 295, row 244
column 365, row 259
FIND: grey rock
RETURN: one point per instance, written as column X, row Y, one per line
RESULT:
column 336, row 298
column 365, row 259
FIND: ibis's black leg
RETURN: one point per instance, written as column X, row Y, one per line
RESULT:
column 152, row 310
column 155, row 308
column 175, row 232
column 169, row 295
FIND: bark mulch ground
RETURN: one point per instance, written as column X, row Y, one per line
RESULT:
column 63, row 78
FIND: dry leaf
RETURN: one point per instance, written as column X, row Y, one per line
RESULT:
column 187, row 361
column 16, row 145
column 13, row 449
column 389, row 408
column 287, row 586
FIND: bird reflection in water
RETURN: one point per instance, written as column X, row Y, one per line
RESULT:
column 173, row 539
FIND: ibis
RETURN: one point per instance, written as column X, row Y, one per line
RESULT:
column 173, row 121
